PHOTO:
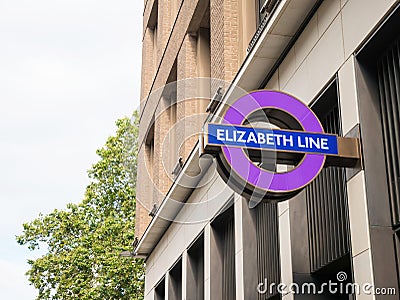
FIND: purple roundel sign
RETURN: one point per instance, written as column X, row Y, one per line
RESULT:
column 302, row 134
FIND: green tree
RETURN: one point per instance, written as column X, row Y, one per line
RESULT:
column 84, row 240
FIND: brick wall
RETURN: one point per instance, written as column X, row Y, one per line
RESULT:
column 187, row 68
column 148, row 70
column 225, row 48
column 182, row 47
column 164, row 27
column 162, row 175
column 143, row 192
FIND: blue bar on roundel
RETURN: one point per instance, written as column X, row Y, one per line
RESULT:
column 273, row 139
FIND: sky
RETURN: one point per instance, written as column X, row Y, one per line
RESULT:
column 68, row 70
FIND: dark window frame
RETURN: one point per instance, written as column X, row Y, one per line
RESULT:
column 326, row 197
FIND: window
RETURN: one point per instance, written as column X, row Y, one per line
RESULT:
column 396, row 237
column 265, row 7
column 175, row 282
column 377, row 75
column 159, row 291
column 195, row 272
column 223, row 281
column 327, row 206
column 268, row 262
column 153, row 26
column 149, row 161
column 388, row 67
column 170, row 149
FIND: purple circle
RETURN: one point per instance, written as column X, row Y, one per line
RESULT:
column 292, row 180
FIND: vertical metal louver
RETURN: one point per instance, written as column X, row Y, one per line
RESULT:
column 175, row 282
column 195, row 270
column 228, row 263
column 267, row 246
column 389, row 89
column 396, row 238
column 327, row 208
column 159, row 291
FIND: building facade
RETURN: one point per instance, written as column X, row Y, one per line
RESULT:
column 200, row 238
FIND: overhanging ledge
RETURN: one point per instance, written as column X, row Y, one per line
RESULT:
column 191, row 174
column 280, row 31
